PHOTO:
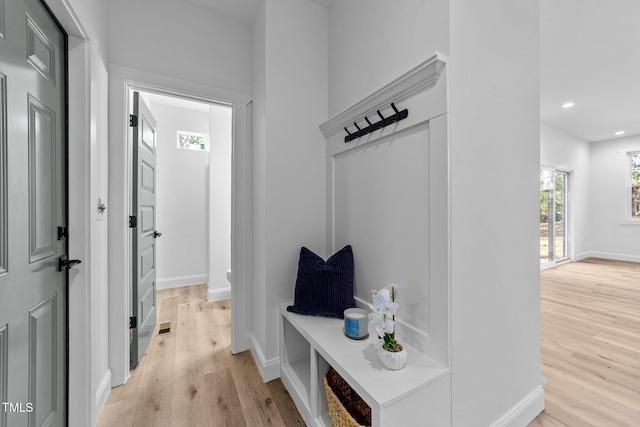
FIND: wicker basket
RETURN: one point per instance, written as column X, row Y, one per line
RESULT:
column 339, row 414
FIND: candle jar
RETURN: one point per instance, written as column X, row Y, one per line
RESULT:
column 356, row 323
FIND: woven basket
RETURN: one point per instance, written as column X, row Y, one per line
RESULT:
column 340, row 416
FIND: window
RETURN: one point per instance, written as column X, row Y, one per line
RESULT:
column 630, row 186
column 193, row 141
column 634, row 160
column 554, row 235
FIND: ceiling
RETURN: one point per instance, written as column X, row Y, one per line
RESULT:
column 590, row 55
column 240, row 10
column 154, row 99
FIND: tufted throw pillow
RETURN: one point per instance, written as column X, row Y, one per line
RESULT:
column 324, row 288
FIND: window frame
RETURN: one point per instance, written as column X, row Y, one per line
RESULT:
column 627, row 188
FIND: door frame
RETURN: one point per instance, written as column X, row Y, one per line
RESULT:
column 81, row 403
column 122, row 82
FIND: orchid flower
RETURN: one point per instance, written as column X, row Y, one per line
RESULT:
column 383, row 311
column 383, row 327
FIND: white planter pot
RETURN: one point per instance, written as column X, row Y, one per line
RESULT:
column 392, row 360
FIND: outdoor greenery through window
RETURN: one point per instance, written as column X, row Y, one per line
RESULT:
column 635, row 185
column 193, row 141
column 554, row 245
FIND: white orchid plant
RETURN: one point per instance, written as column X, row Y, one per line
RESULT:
column 382, row 315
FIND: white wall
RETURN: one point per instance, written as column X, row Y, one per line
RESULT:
column 495, row 156
column 609, row 237
column 494, row 134
column 259, row 150
column 208, row 58
column 98, row 178
column 565, row 152
column 220, row 201
column 182, row 199
column 179, row 39
column 290, row 102
column 93, row 17
column 597, row 175
column 372, row 42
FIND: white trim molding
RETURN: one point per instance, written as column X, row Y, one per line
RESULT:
column 103, row 392
column 269, row 369
column 421, row 78
column 523, row 412
column 608, row 255
column 219, row 294
column 176, row 282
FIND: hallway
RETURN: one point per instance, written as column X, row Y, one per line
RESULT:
column 188, row 376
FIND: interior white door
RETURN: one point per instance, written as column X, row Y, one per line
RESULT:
column 144, row 229
column 33, row 246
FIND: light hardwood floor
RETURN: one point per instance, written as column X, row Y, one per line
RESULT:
column 590, row 353
column 590, row 344
column 188, row 377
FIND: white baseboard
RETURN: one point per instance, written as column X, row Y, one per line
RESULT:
column 269, row 369
column 549, row 265
column 580, row 257
column 219, row 294
column 102, row 393
column 176, row 282
column 608, row 255
column 243, row 344
column 524, row 411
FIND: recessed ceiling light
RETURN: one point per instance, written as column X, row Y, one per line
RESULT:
column 568, row 105
column 620, row 132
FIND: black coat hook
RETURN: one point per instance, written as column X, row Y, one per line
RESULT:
column 384, row 121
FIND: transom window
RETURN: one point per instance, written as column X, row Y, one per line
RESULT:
column 193, row 141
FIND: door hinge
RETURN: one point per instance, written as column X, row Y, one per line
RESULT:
column 133, row 120
column 62, row 233
column 133, row 221
column 133, row 322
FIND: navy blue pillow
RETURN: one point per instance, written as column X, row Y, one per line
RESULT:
column 324, row 288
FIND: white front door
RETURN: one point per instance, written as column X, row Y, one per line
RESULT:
column 33, row 245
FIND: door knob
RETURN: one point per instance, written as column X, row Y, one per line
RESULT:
column 66, row 263
column 156, row 234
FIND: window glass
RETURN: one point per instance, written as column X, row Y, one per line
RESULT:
column 635, row 185
column 193, row 141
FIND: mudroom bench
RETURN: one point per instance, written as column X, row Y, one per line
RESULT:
column 418, row 394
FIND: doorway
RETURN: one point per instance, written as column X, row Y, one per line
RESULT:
column 554, row 241
column 191, row 182
column 122, row 82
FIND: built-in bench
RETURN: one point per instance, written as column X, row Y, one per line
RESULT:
column 417, row 395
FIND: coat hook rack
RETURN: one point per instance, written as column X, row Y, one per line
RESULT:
column 372, row 127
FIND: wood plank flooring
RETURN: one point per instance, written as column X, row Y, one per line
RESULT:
column 188, row 377
column 590, row 353
column 590, row 344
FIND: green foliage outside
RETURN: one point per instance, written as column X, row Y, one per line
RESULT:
column 635, row 169
column 191, row 141
column 544, row 196
column 635, row 181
